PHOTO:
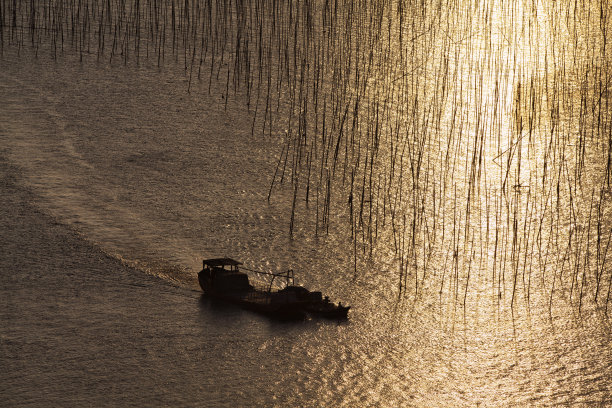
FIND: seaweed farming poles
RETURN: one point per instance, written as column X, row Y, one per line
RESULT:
column 468, row 141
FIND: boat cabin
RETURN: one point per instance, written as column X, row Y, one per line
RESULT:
column 223, row 275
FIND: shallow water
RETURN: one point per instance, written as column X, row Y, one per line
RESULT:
column 117, row 182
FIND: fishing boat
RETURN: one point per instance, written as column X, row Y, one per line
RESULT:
column 222, row 278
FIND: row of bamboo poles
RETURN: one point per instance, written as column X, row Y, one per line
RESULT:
column 468, row 140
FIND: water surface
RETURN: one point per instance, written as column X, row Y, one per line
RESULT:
column 445, row 174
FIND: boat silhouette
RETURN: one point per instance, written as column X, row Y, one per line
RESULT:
column 221, row 278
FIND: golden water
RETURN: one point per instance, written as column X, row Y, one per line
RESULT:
column 441, row 167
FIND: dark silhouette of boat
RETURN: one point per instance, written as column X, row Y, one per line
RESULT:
column 221, row 278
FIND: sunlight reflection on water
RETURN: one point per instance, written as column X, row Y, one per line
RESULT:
column 464, row 145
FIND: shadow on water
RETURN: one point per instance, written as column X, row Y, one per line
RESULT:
column 219, row 310
column 228, row 310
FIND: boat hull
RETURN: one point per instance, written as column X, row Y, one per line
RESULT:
column 331, row 312
column 257, row 301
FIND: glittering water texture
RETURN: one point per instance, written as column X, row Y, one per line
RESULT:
column 442, row 168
